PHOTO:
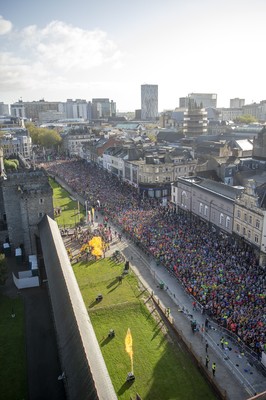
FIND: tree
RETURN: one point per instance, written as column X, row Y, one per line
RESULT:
column 3, row 269
column 11, row 165
column 245, row 119
column 43, row 136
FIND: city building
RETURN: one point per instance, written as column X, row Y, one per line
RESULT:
column 202, row 100
column 4, row 109
column 31, row 109
column 149, row 102
column 154, row 173
column 205, row 199
column 230, row 114
column 250, row 218
column 51, row 116
column 16, row 141
column 75, row 109
column 259, row 145
column 237, row 103
column 195, row 122
column 103, row 108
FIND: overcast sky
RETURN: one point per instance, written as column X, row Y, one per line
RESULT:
column 84, row 49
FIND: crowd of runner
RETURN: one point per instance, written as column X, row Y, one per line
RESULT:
column 224, row 278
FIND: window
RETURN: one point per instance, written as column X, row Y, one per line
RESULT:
column 227, row 222
column 184, row 199
column 205, row 210
column 256, row 239
column 244, row 231
column 250, row 219
column 221, row 219
column 40, row 214
column 41, row 201
column 237, row 228
column 245, row 217
column 249, row 234
column 200, row 208
column 238, row 214
column 258, row 223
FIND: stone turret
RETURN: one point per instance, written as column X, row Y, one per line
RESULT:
column 27, row 197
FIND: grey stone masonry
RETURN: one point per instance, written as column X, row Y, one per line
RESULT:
column 27, row 197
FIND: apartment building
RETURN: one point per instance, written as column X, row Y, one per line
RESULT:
column 102, row 108
column 31, row 109
column 16, row 141
column 156, row 173
column 237, row 102
column 210, row 201
column 237, row 212
column 202, row 100
column 250, row 218
column 195, row 122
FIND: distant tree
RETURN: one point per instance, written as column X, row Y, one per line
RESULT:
column 43, row 136
column 245, row 119
column 151, row 136
column 3, row 269
column 11, row 165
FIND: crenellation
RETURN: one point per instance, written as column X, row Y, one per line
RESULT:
column 20, row 203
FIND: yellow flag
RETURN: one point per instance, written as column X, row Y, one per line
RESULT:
column 129, row 347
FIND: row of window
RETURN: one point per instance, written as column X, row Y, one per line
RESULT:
column 225, row 221
column 248, row 218
column 247, row 233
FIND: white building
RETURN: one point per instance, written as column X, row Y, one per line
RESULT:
column 204, row 100
column 14, row 141
column 237, row 103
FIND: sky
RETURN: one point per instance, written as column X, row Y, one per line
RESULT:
column 57, row 50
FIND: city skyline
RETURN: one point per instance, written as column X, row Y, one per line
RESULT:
column 110, row 49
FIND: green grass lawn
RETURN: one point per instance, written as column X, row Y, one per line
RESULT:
column 163, row 370
column 13, row 378
column 69, row 216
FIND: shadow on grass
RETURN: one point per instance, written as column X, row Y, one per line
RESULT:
column 156, row 333
column 94, row 302
column 117, row 282
column 150, row 314
column 141, row 293
column 114, row 282
column 106, row 340
column 125, row 387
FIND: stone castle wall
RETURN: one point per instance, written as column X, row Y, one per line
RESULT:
column 27, row 197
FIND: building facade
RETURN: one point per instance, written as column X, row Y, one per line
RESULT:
column 202, row 100
column 149, row 102
column 16, row 141
column 103, row 108
column 250, row 220
column 4, row 109
column 210, row 201
column 195, row 122
column 237, row 103
column 31, row 109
